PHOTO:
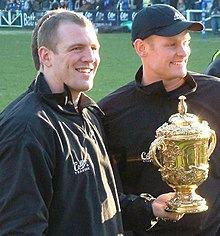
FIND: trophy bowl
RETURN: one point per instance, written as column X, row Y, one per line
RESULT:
column 181, row 150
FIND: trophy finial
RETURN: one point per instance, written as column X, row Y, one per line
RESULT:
column 182, row 106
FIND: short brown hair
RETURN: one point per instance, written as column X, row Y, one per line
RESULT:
column 45, row 37
column 34, row 44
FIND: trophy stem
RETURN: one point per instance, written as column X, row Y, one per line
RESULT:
column 186, row 201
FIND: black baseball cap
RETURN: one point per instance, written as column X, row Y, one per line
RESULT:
column 162, row 20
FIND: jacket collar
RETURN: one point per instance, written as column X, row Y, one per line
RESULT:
column 158, row 88
column 59, row 100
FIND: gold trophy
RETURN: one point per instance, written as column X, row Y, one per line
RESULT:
column 181, row 150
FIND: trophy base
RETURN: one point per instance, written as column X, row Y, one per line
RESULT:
column 187, row 209
column 178, row 205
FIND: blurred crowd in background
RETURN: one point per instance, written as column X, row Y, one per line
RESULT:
column 33, row 6
column 98, row 5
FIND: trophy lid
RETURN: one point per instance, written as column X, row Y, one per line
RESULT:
column 183, row 124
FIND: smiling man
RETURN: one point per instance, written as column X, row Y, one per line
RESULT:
column 55, row 174
column 161, row 38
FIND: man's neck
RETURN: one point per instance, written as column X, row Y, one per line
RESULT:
column 169, row 85
column 174, row 84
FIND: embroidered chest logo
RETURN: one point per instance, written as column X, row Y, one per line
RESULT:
column 80, row 166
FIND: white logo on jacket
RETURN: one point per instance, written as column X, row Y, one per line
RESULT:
column 81, row 166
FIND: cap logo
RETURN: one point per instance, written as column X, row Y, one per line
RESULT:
column 178, row 16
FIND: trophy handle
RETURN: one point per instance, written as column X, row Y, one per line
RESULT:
column 157, row 144
column 212, row 143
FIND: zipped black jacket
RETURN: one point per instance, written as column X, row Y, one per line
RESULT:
column 55, row 174
column 132, row 115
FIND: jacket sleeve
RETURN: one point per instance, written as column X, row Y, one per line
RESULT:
column 137, row 213
column 213, row 68
column 26, row 187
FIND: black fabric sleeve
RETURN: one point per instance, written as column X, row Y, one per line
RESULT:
column 137, row 213
column 214, row 68
column 26, row 188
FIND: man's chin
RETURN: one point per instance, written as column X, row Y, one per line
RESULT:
column 181, row 74
column 87, row 88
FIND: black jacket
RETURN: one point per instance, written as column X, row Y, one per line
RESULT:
column 132, row 115
column 214, row 68
column 55, row 174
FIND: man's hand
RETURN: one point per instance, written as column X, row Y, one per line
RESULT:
column 159, row 205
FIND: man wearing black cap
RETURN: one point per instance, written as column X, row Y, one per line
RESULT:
column 160, row 36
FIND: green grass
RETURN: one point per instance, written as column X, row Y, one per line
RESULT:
column 119, row 61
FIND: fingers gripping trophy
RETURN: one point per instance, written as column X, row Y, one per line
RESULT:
column 181, row 150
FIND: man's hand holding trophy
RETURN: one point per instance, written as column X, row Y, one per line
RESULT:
column 181, row 150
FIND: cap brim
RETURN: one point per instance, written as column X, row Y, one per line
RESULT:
column 179, row 27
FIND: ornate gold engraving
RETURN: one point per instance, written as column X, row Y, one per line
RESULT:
column 181, row 150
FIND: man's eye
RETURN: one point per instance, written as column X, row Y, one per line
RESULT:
column 172, row 44
column 76, row 49
column 95, row 47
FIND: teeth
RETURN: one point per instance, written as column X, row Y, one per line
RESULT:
column 84, row 70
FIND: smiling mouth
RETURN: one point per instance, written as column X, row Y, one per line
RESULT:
column 178, row 63
column 84, row 70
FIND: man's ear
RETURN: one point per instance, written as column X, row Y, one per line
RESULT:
column 140, row 47
column 44, row 56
